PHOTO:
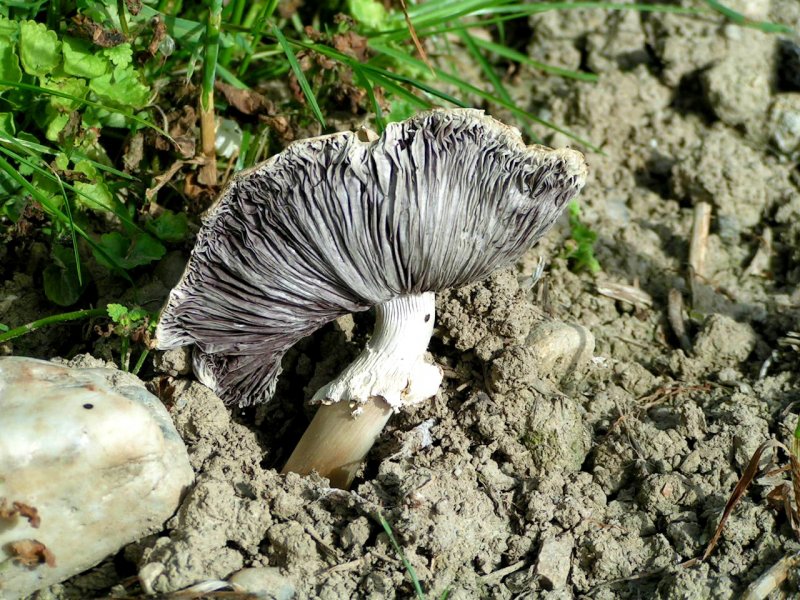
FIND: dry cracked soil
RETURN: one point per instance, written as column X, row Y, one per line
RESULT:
column 590, row 428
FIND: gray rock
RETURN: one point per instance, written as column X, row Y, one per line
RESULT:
column 94, row 454
column 784, row 124
column 554, row 561
column 561, row 349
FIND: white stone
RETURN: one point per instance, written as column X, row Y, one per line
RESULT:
column 561, row 349
column 263, row 582
column 784, row 123
column 554, row 562
column 94, row 453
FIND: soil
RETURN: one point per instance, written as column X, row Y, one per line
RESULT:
column 576, row 449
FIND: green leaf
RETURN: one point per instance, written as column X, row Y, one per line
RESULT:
column 116, row 312
column 138, row 315
column 128, row 254
column 14, row 203
column 62, row 161
column 580, row 252
column 79, row 60
column 71, row 86
column 169, row 226
column 61, row 283
column 94, row 105
column 3, row 327
column 39, row 48
column 122, row 88
column 7, row 123
column 9, row 63
column 51, row 207
column 120, row 55
column 56, row 123
column 95, row 195
column 9, row 28
column 368, row 12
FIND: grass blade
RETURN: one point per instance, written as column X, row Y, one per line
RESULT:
column 120, row 211
column 378, row 75
column 61, row 318
column 488, row 70
column 298, row 73
column 255, row 32
column 521, row 58
column 364, row 82
column 744, row 21
column 406, row 563
column 17, row 142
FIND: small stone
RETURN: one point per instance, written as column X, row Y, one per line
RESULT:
column 94, row 454
column 561, row 349
column 784, row 124
column 263, row 582
column 554, row 561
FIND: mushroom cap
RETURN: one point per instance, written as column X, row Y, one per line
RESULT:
column 334, row 225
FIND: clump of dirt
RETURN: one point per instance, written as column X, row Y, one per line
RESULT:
column 575, row 447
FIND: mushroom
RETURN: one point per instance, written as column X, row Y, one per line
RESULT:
column 345, row 222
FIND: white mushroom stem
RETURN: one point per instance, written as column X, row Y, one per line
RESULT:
column 390, row 372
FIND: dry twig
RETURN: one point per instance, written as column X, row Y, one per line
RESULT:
column 698, row 246
column 676, row 321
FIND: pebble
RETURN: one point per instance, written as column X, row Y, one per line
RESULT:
column 554, row 561
column 784, row 124
column 561, row 348
column 264, row 582
column 89, row 462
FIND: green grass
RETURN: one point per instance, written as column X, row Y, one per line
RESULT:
column 412, row 574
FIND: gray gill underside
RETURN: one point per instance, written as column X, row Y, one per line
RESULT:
column 334, row 225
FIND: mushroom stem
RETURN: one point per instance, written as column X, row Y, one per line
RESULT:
column 390, row 372
column 336, row 442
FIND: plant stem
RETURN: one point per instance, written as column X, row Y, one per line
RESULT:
column 123, row 23
column 125, row 353
column 208, row 126
column 138, row 366
column 53, row 14
column 258, row 27
column 70, row 316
